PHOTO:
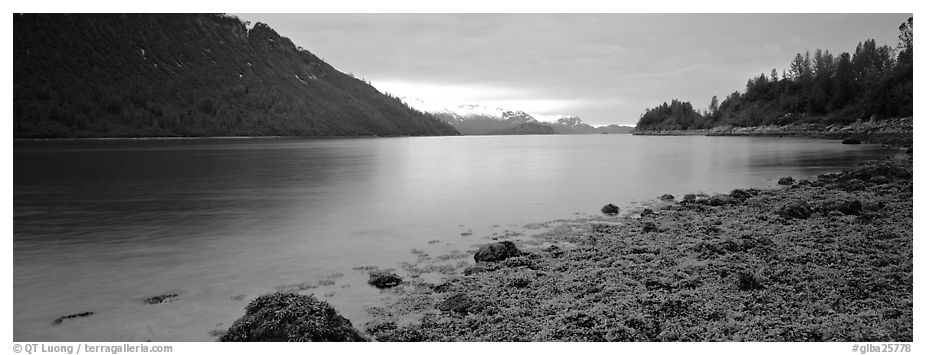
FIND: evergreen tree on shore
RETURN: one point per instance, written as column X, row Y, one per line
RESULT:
column 874, row 82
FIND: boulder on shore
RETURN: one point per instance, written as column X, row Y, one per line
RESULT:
column 459, row 303
column 740, row 194
column 610, row 209
column 718, row 200
column 291, row 317
column 649, row 227
column 667, row 197
column 787, row 180
column 382, row 279
column 496, row 252
column 795, row 209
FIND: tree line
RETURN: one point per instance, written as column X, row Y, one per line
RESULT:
column 874, row 82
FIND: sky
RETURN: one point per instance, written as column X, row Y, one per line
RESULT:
column 604, row 68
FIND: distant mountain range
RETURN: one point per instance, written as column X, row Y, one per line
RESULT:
column 482, row 120
column 129, row 75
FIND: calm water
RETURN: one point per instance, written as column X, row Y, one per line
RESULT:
column 101, row 225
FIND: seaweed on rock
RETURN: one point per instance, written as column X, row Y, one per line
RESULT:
column 291, row 317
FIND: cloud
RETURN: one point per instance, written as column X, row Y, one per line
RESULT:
column 437, row 96
column 606, row 68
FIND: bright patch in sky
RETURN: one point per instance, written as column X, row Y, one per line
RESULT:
column 437, row 97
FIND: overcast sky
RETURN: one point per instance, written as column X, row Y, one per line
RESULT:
column 604, row 68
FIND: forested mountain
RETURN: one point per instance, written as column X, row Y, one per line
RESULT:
column 875, row 82
column 119, row 75
column 527, row 128
column 613, row 128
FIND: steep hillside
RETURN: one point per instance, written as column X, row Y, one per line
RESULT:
column 117, row 75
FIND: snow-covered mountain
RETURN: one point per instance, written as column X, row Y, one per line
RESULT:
column 480, row 119
column 570, row 121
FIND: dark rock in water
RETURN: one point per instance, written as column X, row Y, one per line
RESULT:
column 787, row 180
column 70, row 316
column 740, row 194
column 610, row 209
column 795, row 209
column 689, row 198
column 497, row 251
column 472, row 270
column 291, row 317
column 667, row 197
column 649, row 227
column 161, row 299
column 381, row 279
column 852, row 140
column 459, row 303
column 647, row 212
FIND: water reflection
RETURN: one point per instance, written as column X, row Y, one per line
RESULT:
column 99, row 225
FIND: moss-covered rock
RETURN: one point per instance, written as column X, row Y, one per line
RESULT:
column 459, row 303
column 382, row 279
column 291, row 317
column 496, row 252
column 740, row 194
column 795, row 209
column 610, row 209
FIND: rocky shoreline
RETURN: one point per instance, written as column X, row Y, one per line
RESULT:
column 895, row 132
column 828, row 259
column 823, row 260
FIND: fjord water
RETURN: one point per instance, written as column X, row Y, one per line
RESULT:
column 100, row 225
